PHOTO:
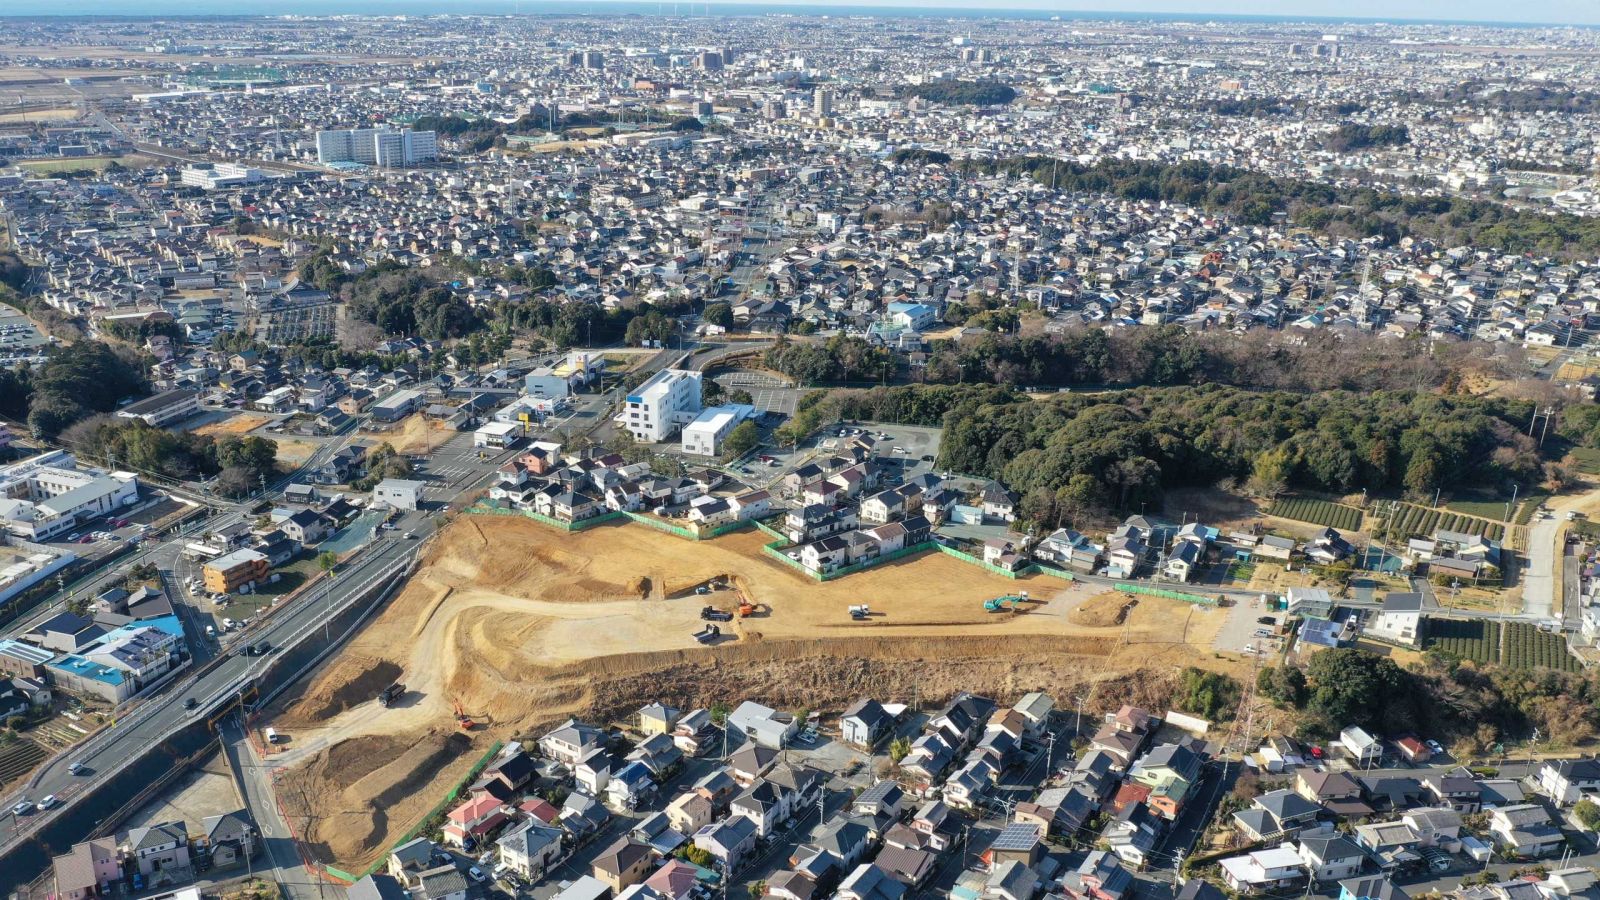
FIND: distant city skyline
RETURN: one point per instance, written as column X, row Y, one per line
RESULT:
column 1532, row 12
column 1565, row 12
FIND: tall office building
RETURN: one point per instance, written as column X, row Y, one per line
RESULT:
column 594, row 59
column 383, row 147
column 708, row 61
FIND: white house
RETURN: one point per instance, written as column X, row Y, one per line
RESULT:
column 704, row 436
column 1400, row 620
column 399, row 493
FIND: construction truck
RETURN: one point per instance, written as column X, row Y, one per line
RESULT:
column 707, row 634
column 390, row 694
column 712, row 614
column 861, row 612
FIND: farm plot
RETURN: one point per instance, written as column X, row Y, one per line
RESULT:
column 1526, row 647
column 1476, row 640
column 18, row 758
column 1318, row 512
column 1408, row 519
column 1529, row 507
column 1515, row 645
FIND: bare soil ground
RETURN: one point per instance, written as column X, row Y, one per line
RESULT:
column 292, row 451
column 242, row 423
column 520, row 627
column 414, row 435
column 1214, row 507
column 1104, row 610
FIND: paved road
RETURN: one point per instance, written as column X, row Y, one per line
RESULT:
column 280, row 857
column 151, row 722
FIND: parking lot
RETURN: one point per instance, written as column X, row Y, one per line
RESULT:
column 769, row 393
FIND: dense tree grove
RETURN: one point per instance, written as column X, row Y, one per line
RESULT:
column 1350, row 136
column 1168, row 354
column 1254, row 199
column 964, row 93
column 1117, row 451
column 842, row 358
column 405, row 302
column 1532, row 99
column 238, row 462
column 1476, row 706
column 78, row 380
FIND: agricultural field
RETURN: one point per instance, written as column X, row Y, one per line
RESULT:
column 18, row 757
column 1587, row 459
column 1421, row 521
column 1493, row 510
column 1528, row 508
column 47, row 167
column 1526, row 647
column 1318, row 512
column 1476, row 640
column 1515, row 645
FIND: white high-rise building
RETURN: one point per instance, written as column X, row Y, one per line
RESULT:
column 383, row 147
column 657, row 408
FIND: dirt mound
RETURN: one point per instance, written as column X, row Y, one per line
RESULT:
column 521, row 627
column 350, row 681
column 1104, row 610
column 342, row 801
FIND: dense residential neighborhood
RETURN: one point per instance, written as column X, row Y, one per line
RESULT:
column 682, row 454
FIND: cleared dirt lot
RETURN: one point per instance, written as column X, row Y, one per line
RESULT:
column 521, row 626
column 413, row 435
column 242, row 423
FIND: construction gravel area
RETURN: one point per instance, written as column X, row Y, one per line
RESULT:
column 520, row 626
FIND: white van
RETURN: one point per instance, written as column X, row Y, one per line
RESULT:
column 272, row 735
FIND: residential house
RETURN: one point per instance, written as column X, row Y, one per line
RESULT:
column 865, row 723
column 729, row 841
column 623, row 864
column 1331, row 857
column 1525, row 831
column 1566, row 780
column 1272, row 869
column 529, row 849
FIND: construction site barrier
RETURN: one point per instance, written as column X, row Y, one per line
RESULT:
column 453, row 796
column 769, row 531
column 991, row 567
column 659, row 525
column 1199, row 599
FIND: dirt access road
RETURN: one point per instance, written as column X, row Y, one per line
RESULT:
column 521, row 627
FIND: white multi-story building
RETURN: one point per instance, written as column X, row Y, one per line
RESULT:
column 669, row 400
column 383, row 147
column 44, row 496
column 704, row 436
column 221, row 175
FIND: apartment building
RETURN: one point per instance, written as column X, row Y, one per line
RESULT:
column 383, row 147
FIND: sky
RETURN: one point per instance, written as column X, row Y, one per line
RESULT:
column 1571, row 12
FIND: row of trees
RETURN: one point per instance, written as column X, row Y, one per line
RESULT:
column 1255, row 199
column 842, row 358
column 75, row 382
column 239, row 463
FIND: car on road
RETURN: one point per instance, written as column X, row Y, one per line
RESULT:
column 23, row 807
column 1435, row 747
column 476, row 874
column 50, row 801
column 77, row 768
column 190, row 703
column 86, row 539
column 927, row 457
column 411, row 535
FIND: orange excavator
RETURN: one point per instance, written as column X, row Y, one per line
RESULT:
column 463, row 721
column 746, row 608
